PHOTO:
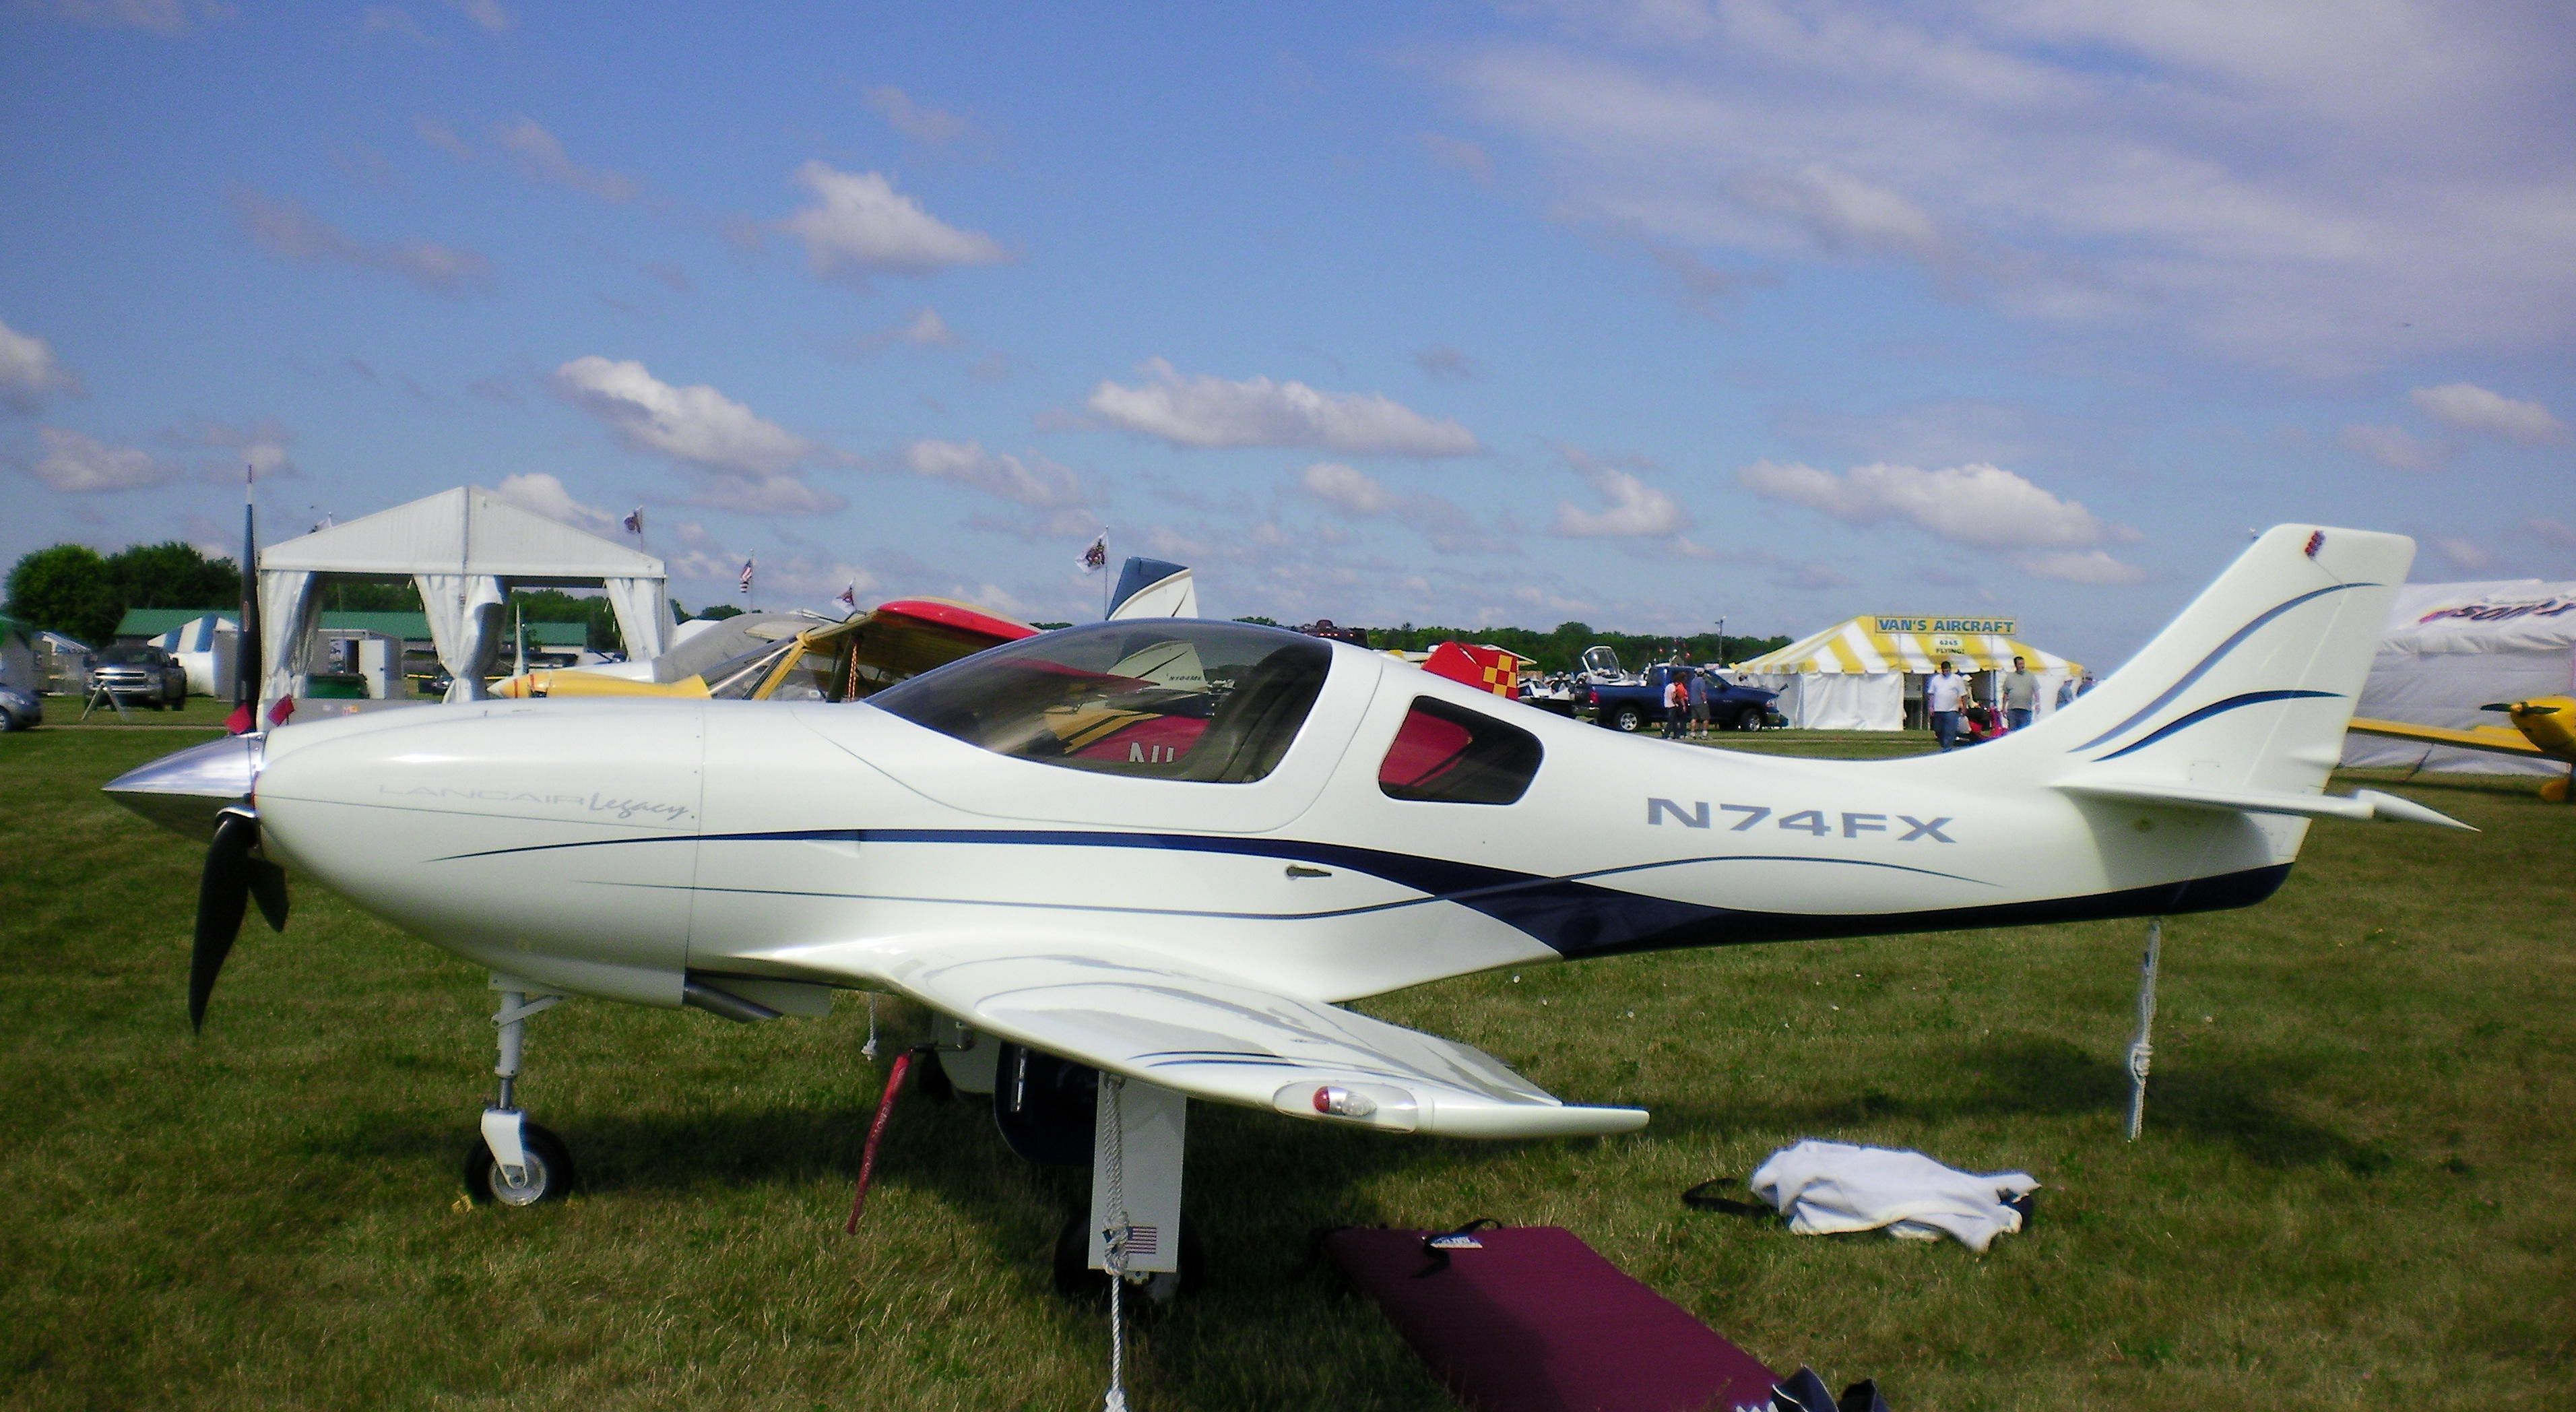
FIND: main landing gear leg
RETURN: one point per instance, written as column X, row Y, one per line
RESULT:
column 517, row 1163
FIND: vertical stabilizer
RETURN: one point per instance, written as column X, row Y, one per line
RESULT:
column 2250, row 688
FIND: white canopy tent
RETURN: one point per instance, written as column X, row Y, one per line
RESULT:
column 2450, row 648
column 466, row 548
column 1852, row 676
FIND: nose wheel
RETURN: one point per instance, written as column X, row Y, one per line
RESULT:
column 516, row 1162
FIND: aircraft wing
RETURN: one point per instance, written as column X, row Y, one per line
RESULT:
column 2499, row 740
column 910, row 636
column 1230, row 1042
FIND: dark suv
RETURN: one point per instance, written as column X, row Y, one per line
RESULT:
column 143, row 674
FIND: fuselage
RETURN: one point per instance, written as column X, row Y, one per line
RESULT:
column 612, row 848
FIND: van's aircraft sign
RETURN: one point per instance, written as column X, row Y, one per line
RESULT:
column 1885, row 623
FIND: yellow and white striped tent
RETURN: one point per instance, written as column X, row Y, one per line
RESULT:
column 1851, row 676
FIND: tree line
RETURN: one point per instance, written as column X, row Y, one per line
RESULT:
column 1560, row 649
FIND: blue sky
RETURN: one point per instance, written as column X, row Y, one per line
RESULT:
column 1641, row 314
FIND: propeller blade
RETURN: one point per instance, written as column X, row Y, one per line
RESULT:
column 2540, row 710
column 223, row 894
column 268, row 889
column 2497, row 706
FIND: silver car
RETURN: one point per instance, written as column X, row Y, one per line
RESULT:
column 20, row 709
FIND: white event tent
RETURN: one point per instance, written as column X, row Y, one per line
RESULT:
column 466, row 548
column 1852, row 676
column 2450, row 648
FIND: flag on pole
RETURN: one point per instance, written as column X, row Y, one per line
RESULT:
column 635, row 522
column 1096, row 557
column 849, row 598
column 746, row 573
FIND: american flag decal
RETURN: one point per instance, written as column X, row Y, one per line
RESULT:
column 1144, row 1240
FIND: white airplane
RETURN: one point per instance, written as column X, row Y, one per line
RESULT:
column 1168, row 850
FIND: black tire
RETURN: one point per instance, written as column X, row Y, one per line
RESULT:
column 1045, row 1106
column 1627, row 719
column 1075, row 1279
column 550, row 1171
column 8, row 721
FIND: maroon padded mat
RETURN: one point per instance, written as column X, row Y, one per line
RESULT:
column 1537, row 1321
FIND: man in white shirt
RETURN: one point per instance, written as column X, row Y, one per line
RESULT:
column 1943, row 694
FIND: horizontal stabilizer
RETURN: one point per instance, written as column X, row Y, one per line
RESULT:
column 1235, row 1043
column 2363, row 804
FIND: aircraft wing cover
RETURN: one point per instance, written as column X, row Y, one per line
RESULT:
column 1233, row 1043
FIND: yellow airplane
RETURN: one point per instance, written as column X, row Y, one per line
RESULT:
column 795, row 656
column 2543, row 727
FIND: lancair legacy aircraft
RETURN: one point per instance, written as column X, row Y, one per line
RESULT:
column 1165, row 851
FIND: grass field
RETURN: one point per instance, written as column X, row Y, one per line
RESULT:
column 2354, row 1191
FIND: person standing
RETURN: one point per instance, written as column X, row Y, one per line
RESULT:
column 2021, row 693
column 1676, row 704
column 1942, row 697
column 1699, row 703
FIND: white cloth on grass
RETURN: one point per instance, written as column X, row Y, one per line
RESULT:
column 1832, row 1188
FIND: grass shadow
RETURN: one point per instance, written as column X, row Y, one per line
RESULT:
column 2238, row 1105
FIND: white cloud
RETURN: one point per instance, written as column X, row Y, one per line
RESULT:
column 1207, row 411
column 1841, row 210
column 442, row 137
column 748, row 461
column 927, row 330
column 1442, row 363
column 290, row 232
column 1034, row 481
column 389, row 19
column 1975, row 504
column 488, row 15
column 263, row 446
column 2473, row 408
column 541, row 157
column 162, row 17
column 918, row 120
column 1631, row 509
column 2217, row 171
column 1347, row 487
column 2393, row 447
column 2465, row 555
column 29, row 370
column 1459, row 155
column 2082, row 566
column 863, row 226
column 2550, row 531
column 78, row 465
column 546, row 494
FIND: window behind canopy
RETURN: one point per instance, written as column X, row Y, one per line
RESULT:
column 1451, row 755
column 1212, row 702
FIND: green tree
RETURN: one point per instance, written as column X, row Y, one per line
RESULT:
column 171, row 575
column 718, row 612
column 65, row 589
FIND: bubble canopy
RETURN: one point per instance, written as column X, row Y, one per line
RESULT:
column 1215, row 703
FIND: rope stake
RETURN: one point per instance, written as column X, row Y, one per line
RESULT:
column 1114, row 1239
column 2141, row 1049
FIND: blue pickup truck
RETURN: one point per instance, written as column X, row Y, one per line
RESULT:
column 1634, row 701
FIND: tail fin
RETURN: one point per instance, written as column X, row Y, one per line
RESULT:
column 2248, row 691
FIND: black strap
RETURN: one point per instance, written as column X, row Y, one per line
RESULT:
column 1704, row 1197
column 1440, row 1258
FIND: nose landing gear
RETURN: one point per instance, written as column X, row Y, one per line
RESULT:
column 516, row 1162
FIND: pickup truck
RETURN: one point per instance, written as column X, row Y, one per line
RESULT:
column 1631, row 701
column 144, row 673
